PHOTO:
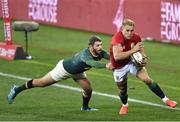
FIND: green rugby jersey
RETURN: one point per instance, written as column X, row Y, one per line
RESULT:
column 83, row 61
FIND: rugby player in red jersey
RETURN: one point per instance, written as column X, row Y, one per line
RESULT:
column 124, row 43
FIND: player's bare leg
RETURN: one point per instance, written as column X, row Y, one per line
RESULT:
column 143, row 75
column 87, row 93
column 41, row 82
column 122, row 86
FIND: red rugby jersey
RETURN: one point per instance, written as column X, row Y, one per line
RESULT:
column 118, row 38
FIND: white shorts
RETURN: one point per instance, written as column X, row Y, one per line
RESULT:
column 59, row 73
column 121, row 74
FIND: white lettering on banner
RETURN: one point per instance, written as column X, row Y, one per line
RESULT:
column 43, row 10
column 170, row 21
column 7, row 22
column 7, row 52
column 5, row 9
column 7, row 31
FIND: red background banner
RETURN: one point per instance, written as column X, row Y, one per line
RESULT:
column 157, row 19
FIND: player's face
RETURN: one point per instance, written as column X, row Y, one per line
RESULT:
column 97, row 47
column 128, row 31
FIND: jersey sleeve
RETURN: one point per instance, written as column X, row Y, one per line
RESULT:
column 91, row 62
column 95, row 64
column 117, row 39
column 105, row 55
column 88, row 59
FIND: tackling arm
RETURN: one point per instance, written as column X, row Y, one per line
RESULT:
column 95, row 64
column 106, row 55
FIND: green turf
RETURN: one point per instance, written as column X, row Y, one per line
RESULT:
column 49, row 45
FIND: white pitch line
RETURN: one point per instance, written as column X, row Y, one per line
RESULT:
column 94, row 92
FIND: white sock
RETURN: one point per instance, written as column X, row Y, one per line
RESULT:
column 165, row 99
column 125, row 104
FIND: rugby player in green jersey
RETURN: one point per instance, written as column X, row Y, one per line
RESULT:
column 73, row 67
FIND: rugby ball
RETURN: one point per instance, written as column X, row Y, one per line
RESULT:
column 137, row 59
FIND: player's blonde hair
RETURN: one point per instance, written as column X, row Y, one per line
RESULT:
column 128, row 22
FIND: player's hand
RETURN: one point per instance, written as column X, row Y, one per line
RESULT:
column 145, row 61
column 109, row 66
column 138, row 47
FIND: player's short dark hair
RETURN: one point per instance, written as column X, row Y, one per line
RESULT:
column 94, row 39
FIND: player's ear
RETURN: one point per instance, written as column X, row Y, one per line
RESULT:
column 90, row 46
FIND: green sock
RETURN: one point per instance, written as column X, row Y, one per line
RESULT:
column 157, row 90
column 124, row 98
column 23, row 87
column 86, row 101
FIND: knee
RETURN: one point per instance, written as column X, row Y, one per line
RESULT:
column 87, row 91
column 147, row 81
column 122, row 87
column 123, row 91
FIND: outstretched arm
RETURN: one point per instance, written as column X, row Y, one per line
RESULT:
column 106, row 55
column 95, row 64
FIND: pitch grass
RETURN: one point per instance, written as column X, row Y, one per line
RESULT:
column 49, row 45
